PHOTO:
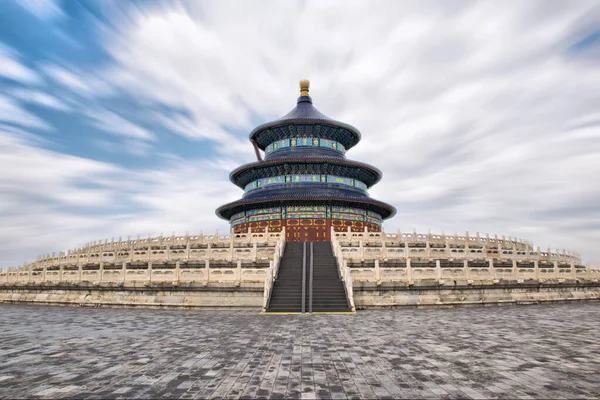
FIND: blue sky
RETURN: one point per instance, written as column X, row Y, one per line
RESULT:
column 123, row 118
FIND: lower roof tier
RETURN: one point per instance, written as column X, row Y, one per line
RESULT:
column 315, row 215
column 302, row 198
column 362, row 172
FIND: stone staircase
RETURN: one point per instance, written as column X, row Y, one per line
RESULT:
column 329, row 294
column 286, row 295
column 328, row 291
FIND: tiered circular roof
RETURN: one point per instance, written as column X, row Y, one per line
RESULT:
column 305, row 121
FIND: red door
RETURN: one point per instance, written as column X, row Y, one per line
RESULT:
column 307, row 230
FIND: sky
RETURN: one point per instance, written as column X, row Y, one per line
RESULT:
column 125, row 118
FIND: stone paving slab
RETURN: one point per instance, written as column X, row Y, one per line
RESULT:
column 543, row 351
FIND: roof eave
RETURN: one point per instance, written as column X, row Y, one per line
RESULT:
column 256, row 131
column 238, row 203
column 307, row 160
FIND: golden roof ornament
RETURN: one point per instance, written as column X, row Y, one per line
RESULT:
column 304, row 85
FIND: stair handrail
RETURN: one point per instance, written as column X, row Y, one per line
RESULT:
column 343, row 269
column 348, row 283
column 279, row 250
column 268, row 287
column 273, row 269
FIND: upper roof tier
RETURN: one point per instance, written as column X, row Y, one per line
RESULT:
column 305, row 120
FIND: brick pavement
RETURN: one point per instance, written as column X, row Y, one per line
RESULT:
column 544, row 351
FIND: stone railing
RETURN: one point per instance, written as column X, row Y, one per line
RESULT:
column 178, row 273
column 244, row 246
column 235, row 259
column 409, row 272
column 374, row 257
column 344, row 271
column 414, row 237
column 381, row 245
column 273, row 269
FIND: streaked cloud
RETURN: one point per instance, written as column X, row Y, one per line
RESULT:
column 12, row 113
column 44, row 9
column 39, row 98
column 113, row 123
column 12, row 68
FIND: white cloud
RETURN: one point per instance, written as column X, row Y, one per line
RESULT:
column 46, row 199
column 44, row 174
column 206, row 129
column 12, row 113
column 12, row 68
column 112, row 123
column 80, row 83
column 39, row 98
column 43, row 9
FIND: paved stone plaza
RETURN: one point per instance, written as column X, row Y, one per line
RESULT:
column 543, row 351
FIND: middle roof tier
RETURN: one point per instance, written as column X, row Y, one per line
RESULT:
column 359, row 171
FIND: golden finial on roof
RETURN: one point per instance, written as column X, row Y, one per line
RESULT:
column 304, row 84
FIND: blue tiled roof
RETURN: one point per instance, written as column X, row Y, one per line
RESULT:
column 304, row 113
column 303, row 197
column 305, row 110
column 247, row 173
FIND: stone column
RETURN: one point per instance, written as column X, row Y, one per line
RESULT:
column 588, row 273
column 207, row 270
column 438, row 270
column 492, row 270
column 409, row 271
column 361, row 250
column 377, row 273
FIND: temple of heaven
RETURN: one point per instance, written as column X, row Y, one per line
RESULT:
column 305, row 183
column 304, row 190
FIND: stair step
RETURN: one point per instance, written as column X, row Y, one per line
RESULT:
column 328, row 293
